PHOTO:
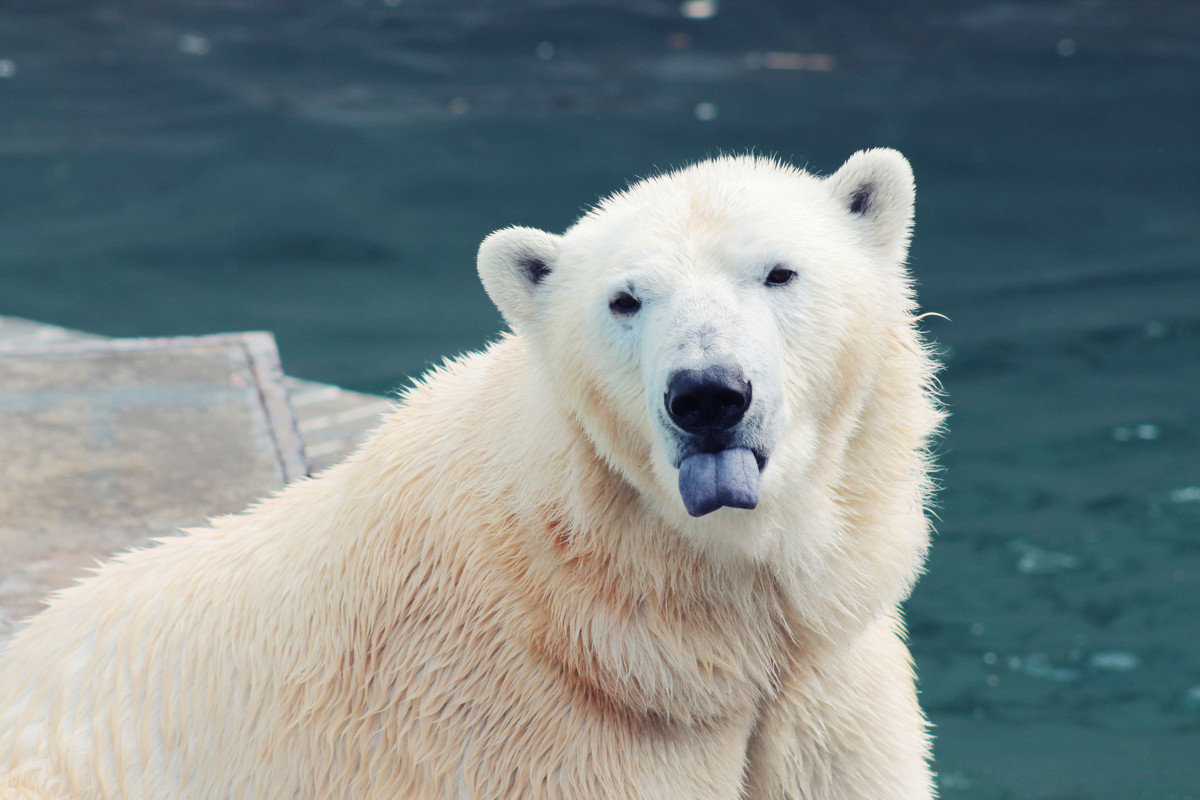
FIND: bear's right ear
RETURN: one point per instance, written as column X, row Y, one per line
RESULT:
column 513, row 265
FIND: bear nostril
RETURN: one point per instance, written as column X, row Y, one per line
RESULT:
column 728, row 401
column 684, row 406
column 706, row 400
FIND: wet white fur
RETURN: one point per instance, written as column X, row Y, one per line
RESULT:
column 501, row 594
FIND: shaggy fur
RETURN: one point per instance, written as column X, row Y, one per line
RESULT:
column 501, row 594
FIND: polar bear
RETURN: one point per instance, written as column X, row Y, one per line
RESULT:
column 649, row 544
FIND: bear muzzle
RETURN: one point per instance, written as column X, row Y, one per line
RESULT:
column 707, row 404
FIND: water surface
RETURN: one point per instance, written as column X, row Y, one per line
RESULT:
column 326, row 171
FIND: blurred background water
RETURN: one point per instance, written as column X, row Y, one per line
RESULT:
column 326, row 170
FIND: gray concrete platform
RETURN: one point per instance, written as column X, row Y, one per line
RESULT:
column 332, row 421
column 107, row 443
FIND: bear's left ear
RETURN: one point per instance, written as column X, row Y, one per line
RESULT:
column 513, row 265
column 876, row 187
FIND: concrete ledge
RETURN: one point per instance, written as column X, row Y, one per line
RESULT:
column 107, row 443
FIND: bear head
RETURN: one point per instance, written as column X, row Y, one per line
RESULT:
column 717, row 331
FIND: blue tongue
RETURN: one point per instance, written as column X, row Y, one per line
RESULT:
column 708, row 481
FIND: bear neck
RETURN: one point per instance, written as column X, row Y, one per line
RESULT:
column 513, row 501
column 868, row 488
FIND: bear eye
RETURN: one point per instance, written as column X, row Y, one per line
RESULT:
column 779, row 276
column 624, row 303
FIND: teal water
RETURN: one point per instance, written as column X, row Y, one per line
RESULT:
column 326, row 171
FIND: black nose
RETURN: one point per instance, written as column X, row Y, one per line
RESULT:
column 704, row 400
